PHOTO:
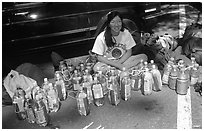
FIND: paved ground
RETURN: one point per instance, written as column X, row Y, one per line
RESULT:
column 157, row 111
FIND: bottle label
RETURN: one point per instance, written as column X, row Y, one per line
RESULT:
column 133, row 83
column 147, row 85
column 139, row 83
column 41, row 116
column 31, row 116
column 127, row 91
column 165, row 78
column 98, row 92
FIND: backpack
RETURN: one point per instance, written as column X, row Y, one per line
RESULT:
column 192, row 42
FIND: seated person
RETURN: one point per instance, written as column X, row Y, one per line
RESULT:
column 113, row 46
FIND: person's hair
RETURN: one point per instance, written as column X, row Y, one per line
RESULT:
column 108, row 36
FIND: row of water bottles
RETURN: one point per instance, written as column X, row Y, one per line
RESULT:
column 42, row 100
column 179, row 76
column 115, row 84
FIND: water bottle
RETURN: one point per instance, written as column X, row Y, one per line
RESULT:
column 125, row 83
column 141, row 64
column 40, row 94
column 103, row 80
column 82, row 102
column 182, row 83
column 70, row 66
column 30, row 110
column 53, row 100
column 113, row 91
column 136, row 79
column 87, row 83
column 167, row 70
column 62, row 66
column 193, row 61
column 19, row 103
column 76, row 80
column 97, row 92
column 42, row 117
column 157, row 82
column 45, row 85
column 194, row 75
column 82, row 67
column 173, row 77
column 60, row 87
column 151, row 64
column 147, row 82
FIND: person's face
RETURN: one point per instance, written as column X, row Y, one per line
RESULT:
column 116, row 24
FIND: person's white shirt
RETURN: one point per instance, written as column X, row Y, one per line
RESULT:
column 124, row 41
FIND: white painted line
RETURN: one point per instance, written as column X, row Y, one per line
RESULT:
column 184, row 114
column 88, row 125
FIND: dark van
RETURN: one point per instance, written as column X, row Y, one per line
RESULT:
column 65, row 27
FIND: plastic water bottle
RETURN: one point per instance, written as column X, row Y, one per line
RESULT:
column 45, row 85
column 87, row 85
column 104, row 82
column 194, row 75
column 125, row 85
column 97, row 92
column 40, row 95
column 82, row 102
column 147, row 82
column 167, row 70
column 76, row 80
column 157, row 82
column 136, row 79
column 182, row 83
column 60, row 87
column 193, row 61
column 53, row 100
column 114, row 91
column 151, row 64
column 173, row 77
column 19, row 102
column 42, row 117
column 30, row 110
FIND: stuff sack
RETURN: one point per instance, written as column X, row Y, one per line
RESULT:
column 192, row 42
column 15, row 80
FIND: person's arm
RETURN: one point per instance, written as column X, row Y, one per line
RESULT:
column 127, row 54
column 110, row 62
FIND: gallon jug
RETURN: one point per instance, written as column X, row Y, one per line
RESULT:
column 157, row 82
column 182, row 83
column 147, row 82
column 167, row 70
column 136, row 80
column 173, row 77
column 194, row 75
